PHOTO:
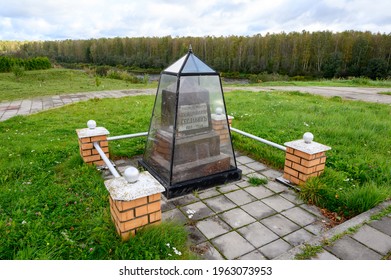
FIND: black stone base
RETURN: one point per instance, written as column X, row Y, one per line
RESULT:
column 186, row 187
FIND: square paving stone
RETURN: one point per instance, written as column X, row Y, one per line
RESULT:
column 271, row 173
column 257, row 234
column 257, row 166
column 298, row 237
column 299, row 216
column 324, row 255
column 196, row 211
column 240, row 197
column 292, row 197
column 194, row 235
column 384, row 225
column 280, row 225
column 374, row 239
column 258, row 210
column 220, row 203
column 232, row 245
column 276, row 248
column 244, row 159
column 227, row 188
column 237, row 218
column 208, row 193
column 206, row 251
column 246, row 170
column 276, row 187
column 278, row 203
column 212, row 227
column 174, row 215
column 347, row 248
column 254, row 255
column 259, row 191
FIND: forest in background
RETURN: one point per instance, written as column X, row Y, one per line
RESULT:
column 322, row 54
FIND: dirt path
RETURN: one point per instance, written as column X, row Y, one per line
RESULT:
column 351, row 93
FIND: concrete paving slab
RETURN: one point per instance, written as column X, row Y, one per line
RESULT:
column 237, row 218
column 259, row 192
column 194, row 235
column 278, row 203
column 374, row 239
column 258, row 210
column 298, row 237
column 280, row 225
column 208, row 193
column 207, row 251
column 272, row 174
column 254, row 255
column 240, row 197
column 220, row 203
column 257, row 166
column 257, row 234
column 299, row 216
column 174, row 215
column 324, row 255
column 213, row 227
column 244, row 159
column 347, row 248
column 227, row 188
column 384, row 225
column 276, row 187
column 275, row 248
column 232, row 245
column 196, row 211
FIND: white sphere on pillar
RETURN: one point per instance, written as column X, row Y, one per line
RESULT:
column 91, row 124
column 219, row 111
column 131, row 174
column 308, row 137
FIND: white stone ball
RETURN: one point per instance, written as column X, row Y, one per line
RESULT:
column 131, row 174
column 91, row 124
column 219, row 111
column 308, row 137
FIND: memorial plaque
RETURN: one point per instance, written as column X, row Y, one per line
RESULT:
column 193, row 117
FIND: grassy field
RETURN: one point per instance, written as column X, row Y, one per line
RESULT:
column 52, row 206
column 56, row 81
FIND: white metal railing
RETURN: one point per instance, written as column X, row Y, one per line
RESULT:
column 258, row 139
column 106, row 160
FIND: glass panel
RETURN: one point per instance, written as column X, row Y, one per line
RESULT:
column 203, row 143
column 158, row 152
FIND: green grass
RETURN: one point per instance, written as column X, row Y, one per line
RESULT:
column 52, row 206
column 358, row 168
column 55, row 81
column 354, row 82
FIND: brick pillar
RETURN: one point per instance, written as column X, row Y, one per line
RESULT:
column 304, row 159
column 87, row 136
column 219, row 125
column 134, row 205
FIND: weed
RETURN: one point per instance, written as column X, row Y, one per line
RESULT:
column 308, row 252
column 256, row 181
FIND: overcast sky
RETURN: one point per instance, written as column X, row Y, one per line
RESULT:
column 85, row 19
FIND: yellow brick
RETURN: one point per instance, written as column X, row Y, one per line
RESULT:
column 154, row 217
column 142, row 210
column 154, row 197
column 98, row 138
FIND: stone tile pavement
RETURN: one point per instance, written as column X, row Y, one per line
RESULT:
column 9, row 109
column 239, row 221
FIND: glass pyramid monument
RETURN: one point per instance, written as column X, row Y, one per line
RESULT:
column 189, row 142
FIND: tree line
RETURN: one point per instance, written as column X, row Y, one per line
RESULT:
column 317, row 54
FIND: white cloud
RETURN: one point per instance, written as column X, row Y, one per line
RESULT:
column 84, row 19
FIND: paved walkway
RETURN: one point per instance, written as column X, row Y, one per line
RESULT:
column 241, row 221
column 246, row 222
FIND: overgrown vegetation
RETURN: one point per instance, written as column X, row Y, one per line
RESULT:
column 7, row 64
